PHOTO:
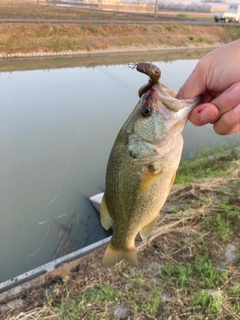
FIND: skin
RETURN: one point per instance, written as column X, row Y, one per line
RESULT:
column 217, row 78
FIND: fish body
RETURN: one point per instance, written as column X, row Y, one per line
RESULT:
column 141, row 169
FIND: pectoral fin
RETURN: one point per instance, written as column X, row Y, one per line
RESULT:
column 105, row 218
column 148, row 228
column 147, row 181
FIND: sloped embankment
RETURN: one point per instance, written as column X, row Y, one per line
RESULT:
column 63, row 39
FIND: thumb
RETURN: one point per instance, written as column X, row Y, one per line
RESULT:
column 194, row 85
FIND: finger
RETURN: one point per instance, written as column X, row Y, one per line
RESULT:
column 193, row 86
column 229, row 122
column 212, row 111
column 228, row 99
column 196, row 83
column 203, row 114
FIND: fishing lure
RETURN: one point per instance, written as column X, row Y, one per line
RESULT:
column 150, row 70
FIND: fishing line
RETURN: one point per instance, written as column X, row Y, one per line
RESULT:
column 59, row 190
column 122, row 83
column 218, row 138
column 106, row 75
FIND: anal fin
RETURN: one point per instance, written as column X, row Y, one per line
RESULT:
column 148, row 228
column 105, row 217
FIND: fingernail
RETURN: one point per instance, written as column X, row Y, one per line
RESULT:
column 234, row 92
column 207, row 114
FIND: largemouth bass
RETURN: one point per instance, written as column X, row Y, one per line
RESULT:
column 142, row 166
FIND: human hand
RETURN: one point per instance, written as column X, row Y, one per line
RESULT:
column 217, row 78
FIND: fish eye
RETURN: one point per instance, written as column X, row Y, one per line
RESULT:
column 146, row 111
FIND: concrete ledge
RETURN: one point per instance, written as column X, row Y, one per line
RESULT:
column 114, row 50
column 40, row 276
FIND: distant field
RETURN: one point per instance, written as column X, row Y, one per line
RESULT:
column 34, row 11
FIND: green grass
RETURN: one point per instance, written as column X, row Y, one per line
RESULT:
column 207, row 162
column 198, row 271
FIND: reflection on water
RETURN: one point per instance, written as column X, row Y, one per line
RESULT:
column 57, row 126
column 100, row 60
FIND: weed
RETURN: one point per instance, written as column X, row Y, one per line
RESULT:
column 228, row 209
column 71, row 309
column 208, row 301
column 235, row 307
column 199, row 271
column 102, row 292
column 40, row 34
column 12, row 40
column 62, row 45
column 223, row 227
column 138, row 279
column 152, row 301
column 234, row 31
column 169, row 28
column 94, row 29
column 202, row 39
column 234, row 290
column 182, row 15
column 14, row 37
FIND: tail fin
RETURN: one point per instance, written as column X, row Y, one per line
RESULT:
column 114, row 255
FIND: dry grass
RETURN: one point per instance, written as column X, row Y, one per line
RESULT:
column 47, row 37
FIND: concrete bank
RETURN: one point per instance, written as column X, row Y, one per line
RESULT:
column 109, row 50
column 57, row 270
